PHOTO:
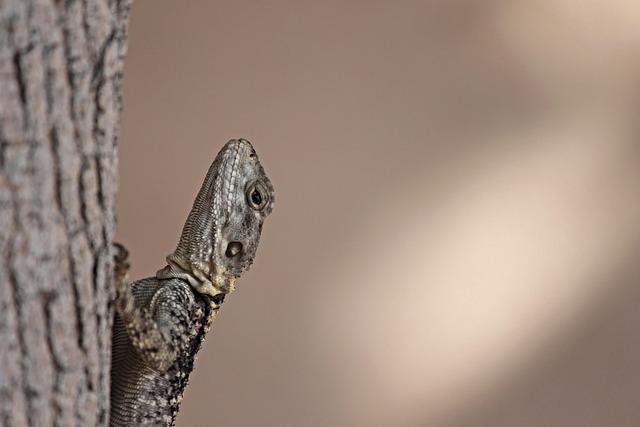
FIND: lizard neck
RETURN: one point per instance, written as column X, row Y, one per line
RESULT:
column 176, row 268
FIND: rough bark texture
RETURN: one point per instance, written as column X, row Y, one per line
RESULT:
column 60, row 74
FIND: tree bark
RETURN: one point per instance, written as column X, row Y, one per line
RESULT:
column 60, row 84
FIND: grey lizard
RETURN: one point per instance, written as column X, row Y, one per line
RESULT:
column 161, row 321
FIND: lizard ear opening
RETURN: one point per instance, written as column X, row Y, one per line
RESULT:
column 233, row 249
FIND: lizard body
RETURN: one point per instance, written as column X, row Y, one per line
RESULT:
column 161, row 321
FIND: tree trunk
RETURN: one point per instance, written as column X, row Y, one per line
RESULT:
column 60, row 79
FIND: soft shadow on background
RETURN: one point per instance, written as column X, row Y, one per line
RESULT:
column 456, row 234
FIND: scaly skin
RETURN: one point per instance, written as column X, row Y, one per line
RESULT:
column 161, row 321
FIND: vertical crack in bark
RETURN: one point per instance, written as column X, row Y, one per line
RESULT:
column 47, row 298
column 55, row 148
column 82, row 194
column 86, row 29
column 22, row 89
column 20, row 79
column 100, row 191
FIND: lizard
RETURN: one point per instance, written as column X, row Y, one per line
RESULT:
column 161, row 321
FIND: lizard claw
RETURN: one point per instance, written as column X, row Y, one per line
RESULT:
column 121, row 260
column 121, row 252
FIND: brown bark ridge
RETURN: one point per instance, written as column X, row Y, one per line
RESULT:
column 60, row 80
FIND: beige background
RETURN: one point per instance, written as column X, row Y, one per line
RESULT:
column 456, row 233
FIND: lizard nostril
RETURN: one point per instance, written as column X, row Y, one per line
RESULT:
column 233, row 249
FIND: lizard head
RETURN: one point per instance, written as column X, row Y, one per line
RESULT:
column 221, row 235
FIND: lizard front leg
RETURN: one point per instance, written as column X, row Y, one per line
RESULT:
column 154, row 345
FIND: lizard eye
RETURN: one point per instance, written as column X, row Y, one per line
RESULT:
column 257, row 195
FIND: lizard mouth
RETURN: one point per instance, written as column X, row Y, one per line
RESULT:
column 224, row 282
column 211, row 281
column 223, row 279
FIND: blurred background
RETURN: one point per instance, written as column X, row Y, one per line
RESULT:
column 457, row 226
